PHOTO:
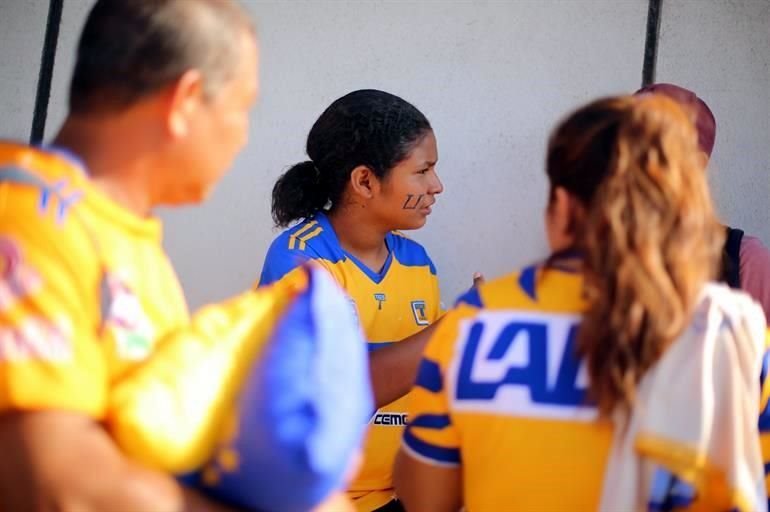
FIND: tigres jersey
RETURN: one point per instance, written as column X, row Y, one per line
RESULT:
column 501, row 393
column 85, row 286
column 391, row 305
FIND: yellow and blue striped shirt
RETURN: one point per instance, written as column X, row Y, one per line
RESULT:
column 502, row 393
column 391, row 305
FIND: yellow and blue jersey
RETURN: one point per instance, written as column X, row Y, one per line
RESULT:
column 86, row 289
column 501, row 392
column 391, row 305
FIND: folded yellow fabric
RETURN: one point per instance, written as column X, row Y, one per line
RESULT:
column 169, row 413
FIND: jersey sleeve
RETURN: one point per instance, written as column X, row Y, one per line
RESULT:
column 431, row 436
column 50, row 357
column 282, row 257
column 440, row 310
column 472, row 297
column 764, row 415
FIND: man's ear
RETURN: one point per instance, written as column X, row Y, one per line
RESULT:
column 183, row 98
column 363, row 182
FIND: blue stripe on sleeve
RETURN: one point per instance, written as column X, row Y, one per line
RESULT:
column 431, row 421
column 436, row 453
column 471, row 297
column 429, row 376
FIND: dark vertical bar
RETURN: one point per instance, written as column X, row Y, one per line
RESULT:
column 46, row 71
column 651, row 42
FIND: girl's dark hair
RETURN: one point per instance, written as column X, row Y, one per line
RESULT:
column 650, row 237
column 366, row 127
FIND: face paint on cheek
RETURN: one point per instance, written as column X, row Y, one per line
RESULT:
column 412, row 201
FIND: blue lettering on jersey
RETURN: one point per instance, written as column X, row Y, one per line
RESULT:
column 419, row 312
column 65, row 201
column 22, row 176
column 533, row 374
column 380, row 298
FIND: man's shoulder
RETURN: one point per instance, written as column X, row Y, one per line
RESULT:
column 39, row 207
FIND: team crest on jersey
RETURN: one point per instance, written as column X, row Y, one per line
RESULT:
column 17, row 279
column 123, row 315
column 380, row 298
column 420, row 312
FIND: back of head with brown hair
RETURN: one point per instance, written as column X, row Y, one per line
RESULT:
column 650, row 237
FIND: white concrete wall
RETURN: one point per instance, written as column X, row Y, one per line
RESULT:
column 721, row 50
column 22, row 25
column 493, row 77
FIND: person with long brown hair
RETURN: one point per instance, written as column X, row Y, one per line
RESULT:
column 613, row 375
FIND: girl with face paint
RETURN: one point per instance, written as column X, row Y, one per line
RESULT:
column 371, row 172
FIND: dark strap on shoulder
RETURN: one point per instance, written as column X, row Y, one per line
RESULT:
column 731, row 257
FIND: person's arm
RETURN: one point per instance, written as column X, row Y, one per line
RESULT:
column 62, row 461
column 427, row 474
column 424, row 487
column 755, row 271
column 393, row 368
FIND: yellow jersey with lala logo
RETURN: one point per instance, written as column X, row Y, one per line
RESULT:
column 85, row 286
column 391, row 305
column 501, row 392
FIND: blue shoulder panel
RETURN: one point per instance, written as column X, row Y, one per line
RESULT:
column 471, row 297
column 308, row 240
column 410, row 253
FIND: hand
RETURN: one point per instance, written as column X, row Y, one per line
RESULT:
column 478, row 278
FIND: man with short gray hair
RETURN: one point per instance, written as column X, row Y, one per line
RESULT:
column 159, row 108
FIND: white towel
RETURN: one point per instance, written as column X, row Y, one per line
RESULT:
column 696, row 415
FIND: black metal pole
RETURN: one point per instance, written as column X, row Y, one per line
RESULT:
column 651, row 42
column 47, row 60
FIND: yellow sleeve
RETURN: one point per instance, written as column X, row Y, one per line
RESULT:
column 169, row 412
column 431, row 435
column 50, row 357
